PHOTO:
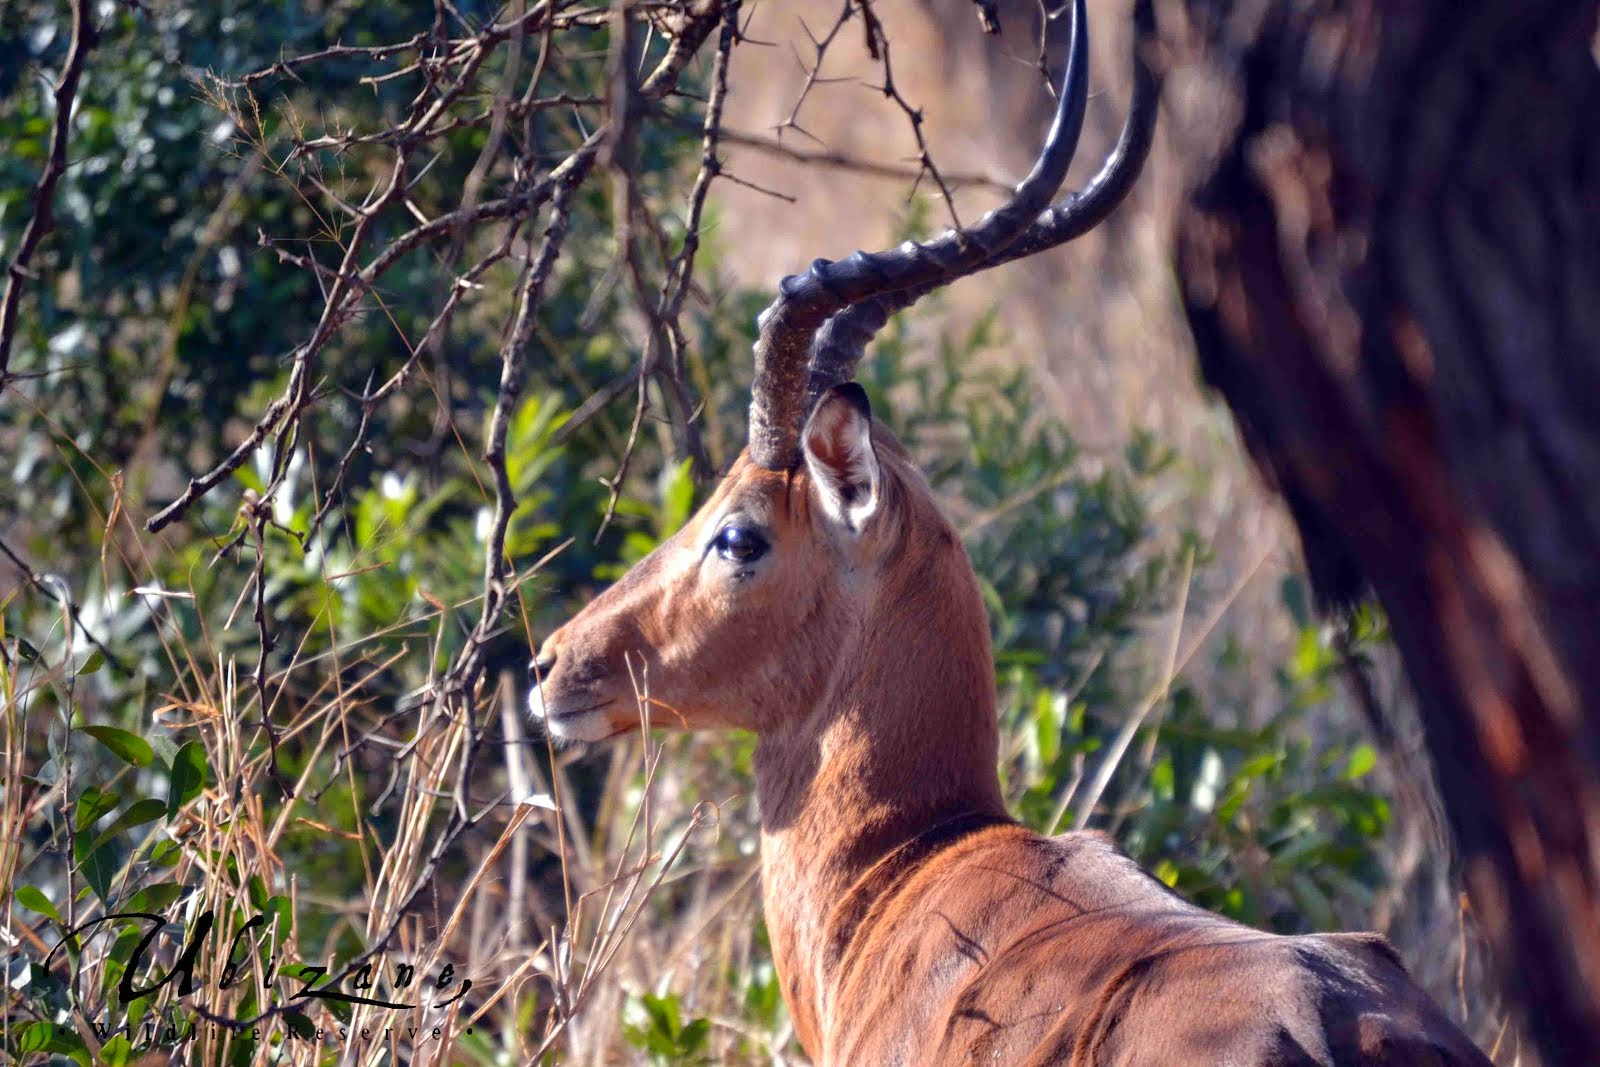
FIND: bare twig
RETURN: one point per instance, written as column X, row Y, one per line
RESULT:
column 614, row 485
column 681, row 274
column 451, row 51
column 370, row 399
column 513, row 377
column 710, row 167
column 514, row 109
column 814, row 77
column 257, row 516
column 56, row 589
column 597, row 402
column 349, row 286
column 878, row 48
column 836, row 160
column 84, row 37
column 289, row 66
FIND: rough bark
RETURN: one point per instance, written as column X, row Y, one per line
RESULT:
column 1392, row 272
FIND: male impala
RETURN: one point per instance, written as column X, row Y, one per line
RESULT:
column 821, row 600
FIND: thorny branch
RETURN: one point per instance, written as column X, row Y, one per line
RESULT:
column 813, row 73
column 256, row 518
column 878, row 48
column 665, row 314
column 710, row 167
column 351, row 286
column 447, row 69
column 877, row 44
column 513, row 377
column 564, row 181
column 837, row 160
column 18, row 274
column 451, row 51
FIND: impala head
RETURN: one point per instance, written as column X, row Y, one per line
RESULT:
column 735, row 620
column 743, row 616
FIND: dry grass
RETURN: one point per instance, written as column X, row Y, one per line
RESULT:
column 548, row 969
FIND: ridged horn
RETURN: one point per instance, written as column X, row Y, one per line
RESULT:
column 842, row 340
column 779, row 396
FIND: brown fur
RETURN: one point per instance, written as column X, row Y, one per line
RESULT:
column 912, row 920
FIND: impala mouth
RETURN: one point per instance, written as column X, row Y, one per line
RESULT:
column 574, row 724
column 568, row 716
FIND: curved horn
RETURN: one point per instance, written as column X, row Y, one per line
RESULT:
column 806, row 301
column 843, row 339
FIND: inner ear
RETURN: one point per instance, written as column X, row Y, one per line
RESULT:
column 839, row 455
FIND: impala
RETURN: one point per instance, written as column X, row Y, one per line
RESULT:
column 821, row 600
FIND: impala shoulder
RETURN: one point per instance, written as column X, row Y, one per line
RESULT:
column 1367, row 944
column 1353, row 961
column 1093, row 858
column 1372, row 1011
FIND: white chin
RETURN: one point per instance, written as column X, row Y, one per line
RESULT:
column 587, row 726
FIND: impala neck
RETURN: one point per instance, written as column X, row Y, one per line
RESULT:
column 903, row 741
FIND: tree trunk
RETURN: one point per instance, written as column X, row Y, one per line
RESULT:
column 1392, row 272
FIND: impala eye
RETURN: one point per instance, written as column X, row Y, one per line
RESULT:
column 741, row 544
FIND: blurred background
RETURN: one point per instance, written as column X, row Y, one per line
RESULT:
column 303, row 698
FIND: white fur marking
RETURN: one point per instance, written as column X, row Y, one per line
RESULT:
column 585, row 726
column 844, row 429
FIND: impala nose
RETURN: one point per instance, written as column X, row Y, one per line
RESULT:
column 541, row 666
column 538, row 670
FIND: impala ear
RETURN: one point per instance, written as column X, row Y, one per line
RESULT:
column 839, row 455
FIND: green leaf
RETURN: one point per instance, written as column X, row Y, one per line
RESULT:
column 155, row 897
column 96, row 660
column 1162, row 778
column 1049, row 714
column 1362, row 759
column 188, row 776
column 116, row 1052
column 137, row 814
column 99, row 868
column 654, row 1024
column 34, row 900
column 31, row 1037
column 131, row 748
column 663, row 1012
column 1257, row 765
column 280, row 908
column 93, row 805
column 677, row 499
column 46, row 1037
column 1312, row 900
column 693, row 1036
